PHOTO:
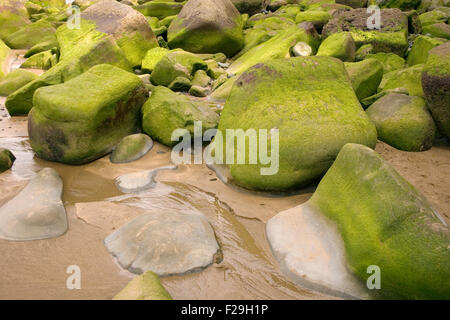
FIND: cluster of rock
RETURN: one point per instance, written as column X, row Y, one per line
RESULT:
column 317, row 71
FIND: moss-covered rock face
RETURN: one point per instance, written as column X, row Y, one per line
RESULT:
column 400, row 4
column 13, row 16
column 277, row 47
column 363, row 51
column 84, row 118
column 365, row 76
column 176, row 64
column 436, row 86
column 392, row 36
column 408, row 78
column 159, row 9
column 403, row 122
column 129, row 28
column 317, row 17
column 339, row 45
column 6, row 56
column 80, row 49
column 41, row 47
column 390, row 61
column 420, row 48
column 31, row 34
column 131, row 148
column 15, row 80
column 152, row 57
column 144, row 287
column 207, row 26
column 438, row 30
column 248, row 6
column 165, row 111
column 42, row 60
column 354, row 3
column 6, row 159
column 432, row 17
column 311, row 102
column 385, row 222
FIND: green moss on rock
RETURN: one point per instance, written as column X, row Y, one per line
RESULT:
column 408, row 78
column 6, row 159
column 420, row 48
column 339, row 45
column 31, row 34
column 390, row 61
column 152, row 57
column 15, row 80
column 144, row 287
column 365, row 76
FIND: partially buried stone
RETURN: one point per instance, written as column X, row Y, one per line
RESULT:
column 131, row 148
column 6, row 159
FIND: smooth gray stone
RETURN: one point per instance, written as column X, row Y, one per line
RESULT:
column 37, row 212
column 139, row 181
column 165, row 242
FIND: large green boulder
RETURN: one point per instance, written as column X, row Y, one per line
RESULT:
column 317, row 17
column 84, row 118
column 391, row 37
column 403, row 122
column 390, row 61
column 438, row 30
column 165, row 111
column 159, row 9
column 6, row 57
column 128, row 27
column 152, row 57
column 277, row 47
column 408, row 78
column 436, row 86
column 6, row 159
column 147, row 286
column 401, row 4
column 13, row 16
column 41, row 47
column 31, row 34
column 80, row 49
column 339, row 45
column 15, row 80
column 207, row 26
column 176, row 64
column 42, row 60
column 365, row 76
column 311, row 102
column 385, row 222
column 420, row 48
column 432, row 17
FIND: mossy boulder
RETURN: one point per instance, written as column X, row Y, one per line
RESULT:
column 42, row 60
column 249, row 6
column 15, row 80
column 317, row 17
column 408, row 78
column 311, row 102
column 207, row 26
column 438, row 30
column 339, row 45
column 420, row 48
column 159, row 9
column 277, row 47
column 365, row 76
column 131, row 148
column 390, row 61
column 391, row 37
column 6, row 57
column 166, row 111
column 201, row 78
column 436, row 86
column 31, row 34
column 385, row 222
column 6, row 159
column 84, row 118
column 403, row 122
column 354, row 3
column 80, row 49
column 176, row 64
column 432, row 17
column 180, row 84
column 13, row 16
column 401, row 4
column 128, row 27
column 41, row 47
column 152, row 57
column 363, row 52
column 147, row 286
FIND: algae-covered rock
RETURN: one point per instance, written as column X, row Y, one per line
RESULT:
column 385, row 222
column 365, row 76
column 84, row 118
column 438, row 30
column 403, row 122
column 316, row 112
column 42, row 46
column 420, row 48
column 41, row 60
column 13, row 16
column 363, row 52
column 165, row 242
column 391, row 37
column 249, row 6
column 144, row 287
column 198, row 91
column 207, row 26
column 6, row 159
column 201, row 79
column 339, row 45
column 37, row 212
column 152, row 57
column 165, row 111
column 131, row 148
column 180, row 84
column 317, row 17
column 277, row 47
column 6, row 57
column 432, row 17
column 80, row 49
column 222, row 92
column 176, row 64
column 401, row 4
column 436, row 86
column 407, row 78
column 390, row 61
column 159, row 9
column 15, row 80
column 128, row 27
column 31, row 34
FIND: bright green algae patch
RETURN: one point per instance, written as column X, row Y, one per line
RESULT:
column 365, row 76
column 147, row 286
column 385, row 222
column 311, row 102
column 15, row 80
column 84, row 118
